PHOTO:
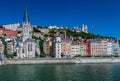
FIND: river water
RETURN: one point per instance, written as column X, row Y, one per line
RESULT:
column 60, row 72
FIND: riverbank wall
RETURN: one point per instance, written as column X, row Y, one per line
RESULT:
column 0, row 62
column 38, row 61
column 60, row 61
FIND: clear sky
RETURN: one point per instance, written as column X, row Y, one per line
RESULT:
column 104, row 15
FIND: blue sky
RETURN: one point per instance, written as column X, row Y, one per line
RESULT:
column 104, row 15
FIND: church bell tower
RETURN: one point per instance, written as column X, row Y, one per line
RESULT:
column 26, row 26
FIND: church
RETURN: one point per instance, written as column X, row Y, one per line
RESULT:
column 25, row 46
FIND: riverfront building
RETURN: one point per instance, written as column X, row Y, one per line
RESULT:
column 112, row 48
column 88, row 48
column 47, row 46
column 57, row 45
column 83, row 49
column 26, row 47
column 98, row 47
column 10, row 49
column 1, row 47
column 66, row 44
column 75, row 48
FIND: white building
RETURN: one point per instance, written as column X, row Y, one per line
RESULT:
column 85, row 28
column 26, row 47
column 53, row 27
column 75, row 48
column 98, row 47
column 13, row 27
column 78, row 49
column 112, row 48
column 83, row 49
column 1, row 47
column 57, row 47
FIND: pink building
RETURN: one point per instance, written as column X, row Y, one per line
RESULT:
column 66, row 47
column 98, row 47
column 88, row 48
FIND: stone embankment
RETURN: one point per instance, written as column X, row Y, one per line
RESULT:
column 38, row 61
column 98, row 60
column 59, row 61
column 0, row 63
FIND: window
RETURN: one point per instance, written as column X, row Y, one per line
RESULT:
column 22, row 50
column 31, row 46
column 28, row 47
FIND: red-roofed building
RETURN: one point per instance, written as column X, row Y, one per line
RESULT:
column 10, row 33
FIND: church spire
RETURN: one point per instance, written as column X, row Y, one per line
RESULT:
column 25, row 19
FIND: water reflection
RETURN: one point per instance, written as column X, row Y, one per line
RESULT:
column 87, row 72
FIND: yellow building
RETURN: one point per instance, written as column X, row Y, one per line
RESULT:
column 50, row 47
column 47, row 47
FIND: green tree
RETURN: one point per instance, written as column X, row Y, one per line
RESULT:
column 62, row 54
column 19, row 32
column 15, row 54
column 41, row 45
column 35, row 29
column 42, row 55
column 36, row 54
column 5, row 49
column 34, row 37
column 46, row 35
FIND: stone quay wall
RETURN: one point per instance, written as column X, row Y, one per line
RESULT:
column 59, row 61
column 37, row 61
column 97, row 60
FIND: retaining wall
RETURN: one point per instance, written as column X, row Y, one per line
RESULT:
column 60, row 61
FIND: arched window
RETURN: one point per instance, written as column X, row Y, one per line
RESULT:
column 23, row 50
column 29, row 47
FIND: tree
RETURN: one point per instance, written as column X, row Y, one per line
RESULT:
column 62, row 54
column 42, row 54
column 5, row 49
column 41, row 45
column 15, row 54
column 34, row 37
column 35, row 29
column 19, row 32
column 46, row 35
column 36, row 54
column 51, row 32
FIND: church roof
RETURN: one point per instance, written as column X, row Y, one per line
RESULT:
column 18, row 40
column 30, row 40
column 17, row 46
